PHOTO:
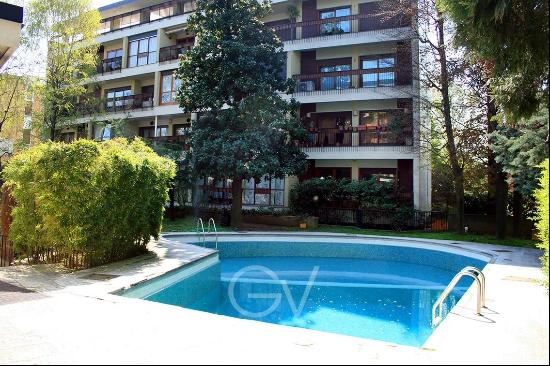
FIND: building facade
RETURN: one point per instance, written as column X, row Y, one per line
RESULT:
column 11, row 20
column 355, row 64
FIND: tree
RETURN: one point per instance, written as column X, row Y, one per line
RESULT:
column 233, row 78
column 68, row 28
column 511, row 37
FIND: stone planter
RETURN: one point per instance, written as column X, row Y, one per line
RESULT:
column 287, row 220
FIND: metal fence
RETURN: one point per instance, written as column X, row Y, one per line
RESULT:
column 384, row 219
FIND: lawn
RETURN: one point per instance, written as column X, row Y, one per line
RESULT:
column 188, row 224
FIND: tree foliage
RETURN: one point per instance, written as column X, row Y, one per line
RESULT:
column 521, row 148
column 233, row 76
column 68, row 28
column 543, row 222
column 312, row 194
column 87, row 203
column 511, row 38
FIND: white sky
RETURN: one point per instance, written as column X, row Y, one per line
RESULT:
column 98, row 3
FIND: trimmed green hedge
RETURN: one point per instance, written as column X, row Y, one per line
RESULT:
column 87, row 203
column 309, row 195
column 542, row 215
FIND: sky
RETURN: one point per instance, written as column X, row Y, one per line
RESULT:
column 98, row 3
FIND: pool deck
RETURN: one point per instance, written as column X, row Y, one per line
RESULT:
column 51, row 315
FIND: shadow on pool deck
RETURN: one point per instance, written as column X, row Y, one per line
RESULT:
column 11, row 294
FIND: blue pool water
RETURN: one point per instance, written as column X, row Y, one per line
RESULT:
column 370, row 291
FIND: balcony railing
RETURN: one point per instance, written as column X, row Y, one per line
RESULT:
column 172, row 52
column 129, row 102
column 109, row 65
column 175, row 140
column 358, row 136
column 147, row 15
column 344, row 80
column 342, row 25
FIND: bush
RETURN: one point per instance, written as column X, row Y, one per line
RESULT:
column 87, row 203
column 542, row 216
column 312, row 194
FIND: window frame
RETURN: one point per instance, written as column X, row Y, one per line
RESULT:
column 378, row 71
column 173, row 89
column 151, row 55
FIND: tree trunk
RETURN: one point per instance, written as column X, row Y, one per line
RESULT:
column 237, row 202
column 451, row 146
column 517, row 208
column 498, row 187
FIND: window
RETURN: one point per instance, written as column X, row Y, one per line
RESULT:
column 149, row 132
column 113, row 61
column 382, row 127
column 266, row 192
column 380, row 71
column 105, row 26
column 335, row 82
column 130, row 19
column 383, row 175
column 102, row 133
column 334, row 173
column 118, row 98
column 338, row 26
column 142, row 51
column 169, row 87
column 160, row 12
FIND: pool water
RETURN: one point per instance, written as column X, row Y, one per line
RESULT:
column 385, row 300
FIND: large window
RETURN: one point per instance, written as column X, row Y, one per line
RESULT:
column 383, row 127
column 148, row 132
column 130, row 19
column 118, row 98
column 335, row 82
column 143, row 51
column 338, row 26
column 113, row 61
column 265, row 192
column 169, row 87
column 380, row 71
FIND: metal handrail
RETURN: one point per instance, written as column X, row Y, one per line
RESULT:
column 199, row 222
column 215, row 230
column 473, row 272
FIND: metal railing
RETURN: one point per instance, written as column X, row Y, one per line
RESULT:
column 129, row 102
column 479, row 278
column 147, row 15
column 384, row 219
column 200, row 230
column 171, row 53
column 176, row 140
column 338, row 26
column 109, row 65
column 342, row 81
column 357, row 136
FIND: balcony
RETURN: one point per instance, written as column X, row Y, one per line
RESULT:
column 172, row 53
column 357, row 136
column 172, row 140
column 147, row 15
column 109, row 65
column 116, row 105
column 351, row 85
column 379, row 27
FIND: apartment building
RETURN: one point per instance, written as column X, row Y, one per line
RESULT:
column 11, row 20
column 355, row 67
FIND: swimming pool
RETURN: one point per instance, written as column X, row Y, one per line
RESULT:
column 370, row 289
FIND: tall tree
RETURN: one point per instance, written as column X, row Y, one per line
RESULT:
column 233, row 77
column 68, row 28
column 512, row 37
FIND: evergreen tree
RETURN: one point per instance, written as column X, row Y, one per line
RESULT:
column 233, row 79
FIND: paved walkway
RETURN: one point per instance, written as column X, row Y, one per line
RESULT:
column 73, row 319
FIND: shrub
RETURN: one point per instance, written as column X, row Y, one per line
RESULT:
column 87, row 203
column 542, row 216
column 312, row 194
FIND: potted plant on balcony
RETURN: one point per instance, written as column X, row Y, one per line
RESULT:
column 293, row 14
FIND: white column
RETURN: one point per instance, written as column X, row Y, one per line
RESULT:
column 416, row 182
column 156, row 125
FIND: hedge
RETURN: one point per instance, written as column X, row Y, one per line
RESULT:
column 312, row 194
column 87, row 203
column 542, row 197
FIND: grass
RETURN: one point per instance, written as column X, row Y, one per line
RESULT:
column 188, row 224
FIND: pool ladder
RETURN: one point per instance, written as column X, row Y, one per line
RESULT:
column 479, row 278
column 200, row 229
